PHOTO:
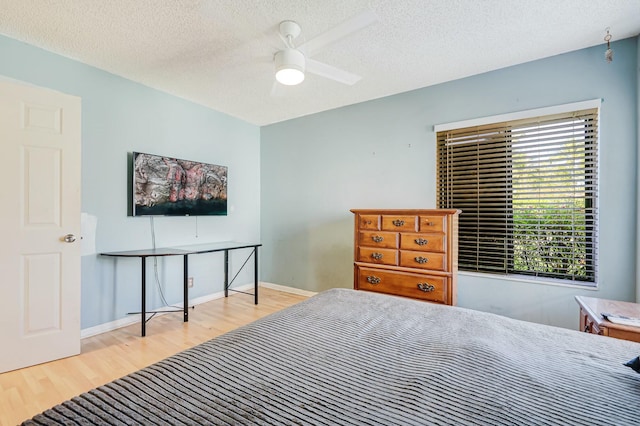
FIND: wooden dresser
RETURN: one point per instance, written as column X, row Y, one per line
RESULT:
column 411, row 253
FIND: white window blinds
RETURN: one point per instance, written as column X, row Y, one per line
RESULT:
column 527, row 190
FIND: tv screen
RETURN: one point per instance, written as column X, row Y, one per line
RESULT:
column 165, row 186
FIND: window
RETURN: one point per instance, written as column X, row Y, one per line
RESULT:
column 527, row 190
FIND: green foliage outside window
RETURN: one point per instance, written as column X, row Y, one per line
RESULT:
column 550, row 241
column 550, row 221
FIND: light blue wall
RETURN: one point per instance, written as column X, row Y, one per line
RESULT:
column 638, row 178
column 381, row 154
column 120, row 116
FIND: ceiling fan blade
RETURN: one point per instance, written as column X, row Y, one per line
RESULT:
column 338, row 32
column 331, row 72
column 274, row 89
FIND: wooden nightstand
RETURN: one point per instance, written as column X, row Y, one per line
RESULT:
column 592, row 322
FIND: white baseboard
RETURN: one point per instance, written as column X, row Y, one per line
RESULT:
column 132, row 319
column 287, row 289
column 108, row 326
column 219, row 295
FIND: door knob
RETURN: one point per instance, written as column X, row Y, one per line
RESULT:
column 69, row 238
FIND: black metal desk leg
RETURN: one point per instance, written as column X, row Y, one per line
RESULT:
column 143, row 312
column 226, row 273
column 185, row 306
column 255, row 274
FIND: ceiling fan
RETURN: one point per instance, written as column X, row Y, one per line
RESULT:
column 293, row 61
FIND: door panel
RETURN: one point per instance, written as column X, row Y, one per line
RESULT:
column 41, row 293
column 40, row 272
column 41, row 167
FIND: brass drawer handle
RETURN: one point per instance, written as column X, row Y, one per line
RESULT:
column 426, row 287
column 421, row 259
column 398, row 222
column 376, row 256
column 371, row 279
column 377, row 238
column 429, row 223
column 421, row 241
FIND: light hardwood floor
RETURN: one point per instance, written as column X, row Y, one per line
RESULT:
column 105, row 357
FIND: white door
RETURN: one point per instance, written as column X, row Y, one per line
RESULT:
column 39, row 206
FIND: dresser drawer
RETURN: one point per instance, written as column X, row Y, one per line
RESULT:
column 378, row 239
column 432, row 223
column 369, row 221
column 399, row 223
column 423, row 260
column 423, row 242
column 378, row 255
column 591, row 327
column 417, row 286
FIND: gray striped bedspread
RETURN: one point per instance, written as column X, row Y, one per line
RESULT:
column 348, row 357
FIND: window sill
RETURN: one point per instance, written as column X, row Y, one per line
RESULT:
column 530, row 280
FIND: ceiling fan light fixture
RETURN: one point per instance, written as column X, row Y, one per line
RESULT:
column 289, row 67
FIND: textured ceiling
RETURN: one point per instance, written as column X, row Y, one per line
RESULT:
column 219, row 52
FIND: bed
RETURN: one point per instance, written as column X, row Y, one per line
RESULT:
column 348, row 357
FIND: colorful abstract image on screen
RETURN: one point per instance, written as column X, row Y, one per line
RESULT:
column 166, row 186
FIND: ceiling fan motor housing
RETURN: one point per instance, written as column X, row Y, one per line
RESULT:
column 290, row 66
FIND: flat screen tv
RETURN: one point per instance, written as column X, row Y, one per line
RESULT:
column 165, row 186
